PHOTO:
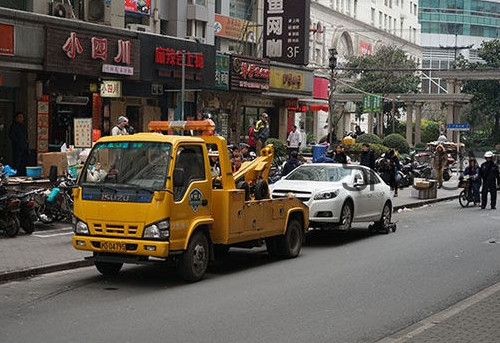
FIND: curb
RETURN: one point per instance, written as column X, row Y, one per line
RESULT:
column 423, row 202
column 25, row 273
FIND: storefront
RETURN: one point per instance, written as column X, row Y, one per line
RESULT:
column 176, row 72
column 87, row 76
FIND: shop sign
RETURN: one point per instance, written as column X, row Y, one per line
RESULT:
column 85, row 53
column 111, row 89
column 116, row 69
column 287, row 79
column 286, row 31
column 6, row 39
column 83, row 132
column 229, row 27
column 249, row 74
column 173, row 57
column 138, row 6
column 221, row 72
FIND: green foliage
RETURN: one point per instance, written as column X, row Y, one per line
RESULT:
column 354, row 150
column 369, row 138
column 279, row 147
column 381, row 71
column 397, row 142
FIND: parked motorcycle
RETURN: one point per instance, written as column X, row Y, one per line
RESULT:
column 10, row 206
column 55, row 204
column 27, row 212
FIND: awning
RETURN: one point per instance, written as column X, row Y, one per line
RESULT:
column 316, row 104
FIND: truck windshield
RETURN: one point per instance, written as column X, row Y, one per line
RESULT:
column 133, row 164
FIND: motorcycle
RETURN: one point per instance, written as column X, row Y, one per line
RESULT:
column 466, row 196
column 10, row 206
column 55, row 204
column 27, row 212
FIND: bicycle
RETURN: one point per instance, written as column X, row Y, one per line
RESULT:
column 466, row 196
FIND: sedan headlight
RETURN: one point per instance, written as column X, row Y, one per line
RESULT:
column 81, row 228
column 158, row 230
column 326, row 195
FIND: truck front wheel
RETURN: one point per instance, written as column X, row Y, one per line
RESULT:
column 194, row 262
column 108, row 268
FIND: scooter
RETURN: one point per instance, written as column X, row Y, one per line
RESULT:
column 9, row 208
column 27, row 212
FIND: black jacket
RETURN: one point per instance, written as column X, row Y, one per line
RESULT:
column 367, row 159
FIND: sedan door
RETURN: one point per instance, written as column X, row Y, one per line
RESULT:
column 361, row 194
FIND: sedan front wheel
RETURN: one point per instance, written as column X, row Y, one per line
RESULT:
column 345, row 217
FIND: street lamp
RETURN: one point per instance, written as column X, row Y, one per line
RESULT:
column 332, row 63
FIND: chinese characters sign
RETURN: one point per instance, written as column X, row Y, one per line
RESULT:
column 83, row 132
column 372, row 103
column 111, row 89
column 222, row 72
column 249, row 74
column 286, row 31
column 172, row 57
column 286, row 79
column 85, row 53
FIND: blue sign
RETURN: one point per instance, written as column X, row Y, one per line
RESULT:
column 458, row 127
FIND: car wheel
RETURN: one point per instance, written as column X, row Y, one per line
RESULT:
column 345, row 217
column 385, row 218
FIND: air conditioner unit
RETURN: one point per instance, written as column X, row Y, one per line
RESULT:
column 97, row 11
column 139, row 27
column 61, row 10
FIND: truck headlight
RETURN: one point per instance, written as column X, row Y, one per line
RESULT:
column 158, row 230
column 326, row 195
column 81, row 228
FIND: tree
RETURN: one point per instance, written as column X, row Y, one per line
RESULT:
column 485, row 105
column 388, row 70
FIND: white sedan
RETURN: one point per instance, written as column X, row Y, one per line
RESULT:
column 338, row 195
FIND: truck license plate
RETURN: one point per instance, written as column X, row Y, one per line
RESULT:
column 113, row 246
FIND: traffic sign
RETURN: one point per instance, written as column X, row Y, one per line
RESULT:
column 458, row 127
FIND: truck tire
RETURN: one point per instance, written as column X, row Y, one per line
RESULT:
column 289, row 244
column 244, row 185
column 194, row 262
column 261, row 190
column 108, row 268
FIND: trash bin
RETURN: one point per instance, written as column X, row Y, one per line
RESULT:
column 318, row 151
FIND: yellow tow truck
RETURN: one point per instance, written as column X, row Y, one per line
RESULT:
column 157, row 196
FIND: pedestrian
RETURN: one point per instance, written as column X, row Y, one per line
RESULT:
column 292, row 163
column 121, row 127
column 261, row 132
column 367, row 156
column 251, row 138
column 294, row 140
column 491, row 178
column 237, row 161
column 472, row 171
column 245, row 152
column 340, row 156
column 389, row 167
column 357, row 131
column 18, row 134
column 440, row 162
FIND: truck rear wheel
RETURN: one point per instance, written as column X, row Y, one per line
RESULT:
column 194, row 262
column 289, row 244
column 108, row 268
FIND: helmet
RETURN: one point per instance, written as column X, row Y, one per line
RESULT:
column 488, row 154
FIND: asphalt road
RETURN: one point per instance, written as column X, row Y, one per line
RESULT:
column 355, row 287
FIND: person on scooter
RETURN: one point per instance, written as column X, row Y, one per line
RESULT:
column 472, row 171
column 491, row 178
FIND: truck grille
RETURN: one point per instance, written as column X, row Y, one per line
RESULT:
column 115, row 229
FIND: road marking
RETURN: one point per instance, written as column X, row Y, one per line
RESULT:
column 63, row 232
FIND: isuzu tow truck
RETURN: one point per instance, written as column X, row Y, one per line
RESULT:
column 153, row 197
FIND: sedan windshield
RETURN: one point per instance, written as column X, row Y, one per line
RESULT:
column 141, row 164
column 314, row 172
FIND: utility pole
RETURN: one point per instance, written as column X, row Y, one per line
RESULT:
column 332, row 63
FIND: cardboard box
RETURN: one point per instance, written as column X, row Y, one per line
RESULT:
column 423, row 193
column 58, row 159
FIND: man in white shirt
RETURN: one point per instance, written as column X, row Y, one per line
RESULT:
column 294, row 140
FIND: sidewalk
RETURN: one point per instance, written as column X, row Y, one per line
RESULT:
column 474, row 319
